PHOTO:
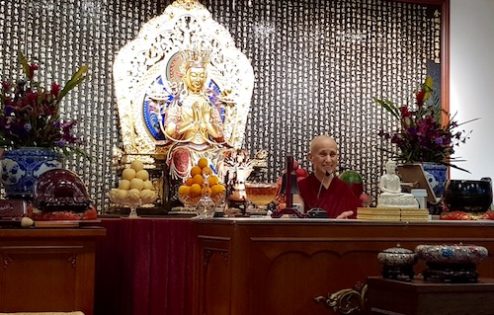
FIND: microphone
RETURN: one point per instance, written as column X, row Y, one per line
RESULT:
column 326, row 175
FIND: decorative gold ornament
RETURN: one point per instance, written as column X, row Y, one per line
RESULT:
column 186, row 4
column 194, row 58
column 346, row 301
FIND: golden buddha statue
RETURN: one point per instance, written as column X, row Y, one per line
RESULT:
column 192, row 118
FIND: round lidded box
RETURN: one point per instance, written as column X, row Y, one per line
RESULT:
column 396, row 256
column 397, row 263
column 451, row 254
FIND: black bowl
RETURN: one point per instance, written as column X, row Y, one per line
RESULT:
column 468, row 195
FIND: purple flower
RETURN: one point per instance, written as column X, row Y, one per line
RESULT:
column 29, row 115
column 421, row 137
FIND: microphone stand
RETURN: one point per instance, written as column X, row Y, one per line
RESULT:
column 289, row 210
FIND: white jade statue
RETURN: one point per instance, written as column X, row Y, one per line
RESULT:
column 391, row 195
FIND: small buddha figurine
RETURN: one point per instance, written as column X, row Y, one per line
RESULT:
column 191, row 118
column 391, row 195
column 389, row 183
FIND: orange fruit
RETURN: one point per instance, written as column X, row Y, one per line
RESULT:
column 202, row 163
column 183, row 190
column 195, row 190
column 217, row 189
column 206, row 191
column 207, row 171
column 213, row 180
column 198, row 179
column 189, row 181
column 196, row 170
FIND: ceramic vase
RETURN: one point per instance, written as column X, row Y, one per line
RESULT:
column 436, row 175
column 20, row 169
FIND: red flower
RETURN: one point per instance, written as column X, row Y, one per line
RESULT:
column 55, row 89
column 6, row 86
column 405, row 112
column 419, row 96
column 29, row 114
column 30, row 72
column 421, row 137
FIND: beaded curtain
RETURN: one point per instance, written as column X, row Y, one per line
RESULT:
column 317, row 65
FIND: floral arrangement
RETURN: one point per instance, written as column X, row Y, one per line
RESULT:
column 421, row 137
column 30, row 113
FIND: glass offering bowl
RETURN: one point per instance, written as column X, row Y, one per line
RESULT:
column 133, row 204
column 261, row 194
column 191, row 203
column 130, row 199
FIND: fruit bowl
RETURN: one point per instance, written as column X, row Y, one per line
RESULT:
column 191, row 201
column 131, row 199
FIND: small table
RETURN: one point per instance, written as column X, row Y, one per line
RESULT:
column 393, row 297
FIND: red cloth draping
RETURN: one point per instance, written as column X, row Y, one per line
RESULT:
column 144, row 267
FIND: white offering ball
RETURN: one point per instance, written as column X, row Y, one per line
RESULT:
column 143, row 174
column 148, row 185
column 26, row 222
column 136, row 183
column 134, row 195
column 113, row 193
column 121, row 195
column 124, row 184
column 137, row 165
column 128, row 173
column 147, row 196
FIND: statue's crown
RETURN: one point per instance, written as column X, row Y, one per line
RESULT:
column 195, row 58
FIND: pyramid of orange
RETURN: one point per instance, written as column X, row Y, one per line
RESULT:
column 201, row 182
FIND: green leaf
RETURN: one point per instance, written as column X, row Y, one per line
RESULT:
column 427, row 87
column 24, row 64
column 76, row 79
column 389, row 106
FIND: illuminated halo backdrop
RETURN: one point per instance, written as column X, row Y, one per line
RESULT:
column 317, row 65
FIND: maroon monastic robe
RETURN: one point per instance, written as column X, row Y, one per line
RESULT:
column 335, row 200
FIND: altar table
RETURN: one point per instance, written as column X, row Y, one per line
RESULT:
column 156, row 266
column 276, row 266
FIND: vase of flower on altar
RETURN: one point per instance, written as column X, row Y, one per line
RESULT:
column 34, row 136
column 425, row 134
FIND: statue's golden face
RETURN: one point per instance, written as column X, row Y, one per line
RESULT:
column 195, row 78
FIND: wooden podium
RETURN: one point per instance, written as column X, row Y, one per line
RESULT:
column 423, row 298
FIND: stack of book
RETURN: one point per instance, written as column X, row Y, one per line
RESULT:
column 393, row 214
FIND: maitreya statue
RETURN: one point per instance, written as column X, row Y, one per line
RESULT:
column 193, row 122
column 192, row 118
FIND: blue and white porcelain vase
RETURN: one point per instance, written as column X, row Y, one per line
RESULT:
column 20, row 169
column 436, row 175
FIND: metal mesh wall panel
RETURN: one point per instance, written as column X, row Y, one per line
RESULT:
column 317, row 64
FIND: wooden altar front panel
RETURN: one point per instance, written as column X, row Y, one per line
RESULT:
column 48, row 270
column 245, row 266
